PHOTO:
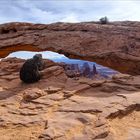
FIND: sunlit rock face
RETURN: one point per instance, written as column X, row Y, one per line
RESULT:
column 57, row 106
column 115, row 44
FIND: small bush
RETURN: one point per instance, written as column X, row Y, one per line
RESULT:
column 104, row 20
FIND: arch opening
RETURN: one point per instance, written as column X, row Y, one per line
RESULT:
column 73, row 67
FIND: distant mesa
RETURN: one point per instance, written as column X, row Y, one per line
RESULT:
column 87, row 70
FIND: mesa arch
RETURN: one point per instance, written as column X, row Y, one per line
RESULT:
column 115, row 45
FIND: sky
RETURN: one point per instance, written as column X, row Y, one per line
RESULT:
column 46, row 54
column 50, row 11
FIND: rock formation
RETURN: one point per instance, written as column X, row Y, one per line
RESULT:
column 75, row 70
column 86, row 70
column 71, row 70
column 30, row 71
column 116, row 44
column 58, row 107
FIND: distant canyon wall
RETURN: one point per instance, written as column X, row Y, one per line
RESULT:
column 115, row 45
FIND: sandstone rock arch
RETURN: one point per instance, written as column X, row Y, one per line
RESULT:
column 116, row 45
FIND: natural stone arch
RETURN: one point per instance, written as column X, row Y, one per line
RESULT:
column 115, row 45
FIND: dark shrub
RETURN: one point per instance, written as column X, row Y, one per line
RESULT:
column 104, row 20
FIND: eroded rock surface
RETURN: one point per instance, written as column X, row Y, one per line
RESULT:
column 62, row 108
column 116, row 44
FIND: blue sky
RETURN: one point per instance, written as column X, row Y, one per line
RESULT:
column 49, row 11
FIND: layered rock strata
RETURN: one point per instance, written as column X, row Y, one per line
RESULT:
column 116, row 44
column 61, row 108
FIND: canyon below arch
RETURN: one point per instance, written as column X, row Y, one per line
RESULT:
column 59, row 107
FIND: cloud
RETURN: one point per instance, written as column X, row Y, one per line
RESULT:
column 26, row 54
column 47, row 11
column 52, row 55
column 70, row 18
column 128, row 10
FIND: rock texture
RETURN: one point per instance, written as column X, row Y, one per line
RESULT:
column 116, row 44
column 61, row 108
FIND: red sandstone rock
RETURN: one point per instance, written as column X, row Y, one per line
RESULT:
column 74, row 109
column 31, row 94
column 115, row 45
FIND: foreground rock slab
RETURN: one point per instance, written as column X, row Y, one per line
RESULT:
column 60, row 108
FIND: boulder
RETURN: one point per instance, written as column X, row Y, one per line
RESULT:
column 32, row 94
